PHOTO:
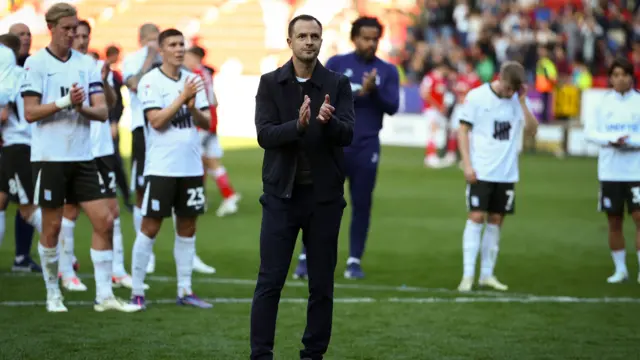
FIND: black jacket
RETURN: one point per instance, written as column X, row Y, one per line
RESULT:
column 277, row 105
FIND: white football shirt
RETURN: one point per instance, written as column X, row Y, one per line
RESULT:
column 8, row 75
column 617, row 115
column 131, row 65
column 496, row 126
column 17, row 130
column 101, row 140
column 174, row 151
column 65, row 135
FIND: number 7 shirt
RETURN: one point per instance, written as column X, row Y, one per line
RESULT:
column 496, row 127
column 173, row 151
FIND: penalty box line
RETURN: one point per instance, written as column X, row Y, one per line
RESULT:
column 361, row 300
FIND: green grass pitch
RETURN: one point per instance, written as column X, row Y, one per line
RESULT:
column 554, row 257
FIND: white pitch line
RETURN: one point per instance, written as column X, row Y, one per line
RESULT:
column 303, row 284
column 361, row 300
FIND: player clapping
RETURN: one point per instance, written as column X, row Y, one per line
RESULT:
column 174, row 104
column 62, row 93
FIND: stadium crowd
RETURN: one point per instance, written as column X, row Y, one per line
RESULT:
column 572, row 41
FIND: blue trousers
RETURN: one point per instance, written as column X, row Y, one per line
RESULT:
column 362, row 170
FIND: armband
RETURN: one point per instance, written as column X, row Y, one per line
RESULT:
column 63, row 102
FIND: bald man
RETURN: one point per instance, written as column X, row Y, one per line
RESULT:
column 24, row 34
column 23, row 230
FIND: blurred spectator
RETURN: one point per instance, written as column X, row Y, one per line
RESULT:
column 499, row 30
column 546, row 78
column 581, row 77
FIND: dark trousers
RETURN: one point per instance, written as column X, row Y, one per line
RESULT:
column 282, row 219
column 362, row 171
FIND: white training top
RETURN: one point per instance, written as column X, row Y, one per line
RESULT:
column 617, row 116
column 17, row 130
column 101, row 140
column 174, row 151
column 65, row 135
column 497, row 124
column 131, row 65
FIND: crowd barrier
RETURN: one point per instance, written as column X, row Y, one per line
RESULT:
column 236, row 96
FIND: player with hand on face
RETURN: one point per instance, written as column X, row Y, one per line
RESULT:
column 495, row 113
column 616, row 129
column 174, row 103
column 63, row 93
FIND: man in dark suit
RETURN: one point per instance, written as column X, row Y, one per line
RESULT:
column 304, row 118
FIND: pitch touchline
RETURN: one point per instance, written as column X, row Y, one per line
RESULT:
column 360, row 300
column 294, row 283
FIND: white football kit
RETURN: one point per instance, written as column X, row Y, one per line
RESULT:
column 174, row 151
column 65, row 135
column 8, row 74
column 617, row 115
column 101, row 140
column 496, row 127
column 17, row 131
column 618, row 168
column 131, row 66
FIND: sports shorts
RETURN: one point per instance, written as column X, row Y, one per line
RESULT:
column 73, row 182
column 15, row 173
column 491, row 197
column 106, row 168
column 165, row 195
column 613, row 196
column 138, row 153
column 210, row 145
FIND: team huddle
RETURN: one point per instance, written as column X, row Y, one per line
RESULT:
column 58, row 156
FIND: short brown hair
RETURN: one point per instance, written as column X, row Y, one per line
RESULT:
column 197, row 51
column 11, row 41
column 59, row 11
column 513, row 74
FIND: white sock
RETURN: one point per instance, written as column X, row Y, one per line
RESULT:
column 142, row 249
column 639, row 258
column 66, row 244
column 35, row 220
column 352, row 260
column 302, row 257
column 102, row 264
column 137, row 219
column 619, row 260
column 49, row 261
column 470, row 247
column 2, row 226
column 490, row 248
column 118, row 250
column 184, row 250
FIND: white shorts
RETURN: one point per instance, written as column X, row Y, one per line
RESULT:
column 434, row 116
column 211, row 148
